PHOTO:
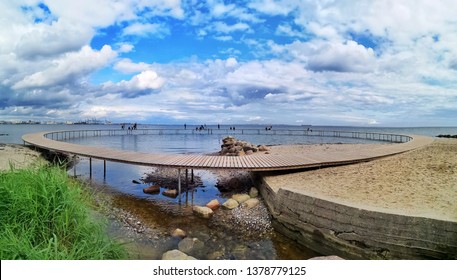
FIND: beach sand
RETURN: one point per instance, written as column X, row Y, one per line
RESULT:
column 17, row 155
column 421, row 183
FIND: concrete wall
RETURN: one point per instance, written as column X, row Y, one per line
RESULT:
column 331, row 228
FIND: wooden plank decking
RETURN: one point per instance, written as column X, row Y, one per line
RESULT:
column 264, row 162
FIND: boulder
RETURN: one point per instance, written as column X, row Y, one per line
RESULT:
column 190, row 245
column 170, row 193
column 234, row 147
column 249, row 152
column 176, row 255
column 251, row 203
column 202, row 211
column 240, row 198
column 213, row 204
column 154, row 189
column 263, row 148
column 230, row 204
column 179, row 233
column 253, row 192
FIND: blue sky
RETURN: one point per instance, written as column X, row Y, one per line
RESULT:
column 383, row 63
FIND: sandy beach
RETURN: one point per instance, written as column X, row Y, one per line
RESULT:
column 17, row 155
column 421, row 183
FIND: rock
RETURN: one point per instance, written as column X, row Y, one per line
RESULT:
column 176, row 255
column 136, row 182
column 263, row 148
column 230, row 204
column 249, row 152
column 154, row 189
column 253, row 192
column 240, row 198
column 234, row 147
column 231, row 185
column 333, row 257
column 213, row 204
column 179, row 233
column 239, row 252
column 170, row 193
column 190, row 245
column 251, row 203
column 202, row 211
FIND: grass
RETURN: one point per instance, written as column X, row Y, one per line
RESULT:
column 44, row 215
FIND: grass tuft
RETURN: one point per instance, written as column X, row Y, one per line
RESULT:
column 45, row 215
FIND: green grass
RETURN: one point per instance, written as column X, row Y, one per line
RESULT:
column 44, row 215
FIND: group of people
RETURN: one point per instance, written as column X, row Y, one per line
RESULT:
column 133, row 127
column 202, row 127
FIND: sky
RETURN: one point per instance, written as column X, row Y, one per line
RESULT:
column 356, row 63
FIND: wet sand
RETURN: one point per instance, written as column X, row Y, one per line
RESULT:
column 420, row 183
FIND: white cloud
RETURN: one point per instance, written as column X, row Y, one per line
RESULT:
column 51, row 40
column 125, row 48
column 126, row 66
column 222, row 27
column 145, row 80
column 146, row 29
column 141, row 84
column 68, row 67
column 273, row 7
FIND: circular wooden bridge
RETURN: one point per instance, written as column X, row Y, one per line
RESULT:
column 54, row 141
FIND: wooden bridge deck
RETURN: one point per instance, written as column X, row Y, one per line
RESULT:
column 262, row 162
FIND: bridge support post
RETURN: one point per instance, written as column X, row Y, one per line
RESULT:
column 104, row 169
column 90, row 168
column 187, row 179
column 191, row 176
column 179, row 184
column 74, row 166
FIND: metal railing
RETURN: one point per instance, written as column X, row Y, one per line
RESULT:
column 375, row 136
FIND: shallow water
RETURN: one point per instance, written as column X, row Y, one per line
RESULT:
column 223, row 239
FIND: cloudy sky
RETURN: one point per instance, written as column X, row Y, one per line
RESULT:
column 384, row 63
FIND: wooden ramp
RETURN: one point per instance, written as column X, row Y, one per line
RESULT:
column 263, row 162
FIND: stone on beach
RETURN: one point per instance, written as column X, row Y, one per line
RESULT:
column 190, row 245
column 170, row 193
column 263, row 148
column 233, row 147
column 176, row 255
column 240, row 198
column 253, row 192
column 179, row 233
column 202, row 211
column 230, row 204
column 251, row 203
column 213, row 204
column 154, row 189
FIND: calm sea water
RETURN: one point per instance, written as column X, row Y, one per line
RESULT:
column 172, row 212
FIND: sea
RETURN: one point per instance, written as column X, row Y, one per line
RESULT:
column 123, row 179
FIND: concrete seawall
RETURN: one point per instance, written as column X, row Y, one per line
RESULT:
column 331, row 228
